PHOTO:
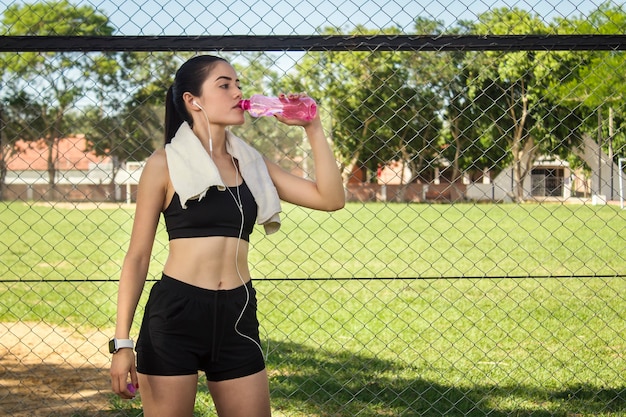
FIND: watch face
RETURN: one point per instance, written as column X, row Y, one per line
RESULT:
column 112, row 346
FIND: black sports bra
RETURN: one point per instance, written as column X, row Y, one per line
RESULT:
column 216, row 214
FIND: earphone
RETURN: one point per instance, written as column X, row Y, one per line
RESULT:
column 241, row 226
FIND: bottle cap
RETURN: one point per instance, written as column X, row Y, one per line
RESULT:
column 244, row 104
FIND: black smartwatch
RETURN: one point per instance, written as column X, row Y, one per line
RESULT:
column 116, row 344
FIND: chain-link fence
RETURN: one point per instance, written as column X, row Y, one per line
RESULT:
column 479, row 267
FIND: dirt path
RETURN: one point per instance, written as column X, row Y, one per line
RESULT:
column 52, row 371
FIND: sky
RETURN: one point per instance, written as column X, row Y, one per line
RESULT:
column 296, row 17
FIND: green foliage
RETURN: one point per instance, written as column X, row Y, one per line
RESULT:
column 474, row 109
column 378, row 109
column 130, row 127
column 598, row 85
column 50, row 82
column 513, row 92
column 51, row 19
column 54, row 18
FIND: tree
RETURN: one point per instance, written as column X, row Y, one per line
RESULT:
column 510, row 89
column 54, row 82
column 128, row 123
column 446, row 74
column 597, row 82
column 378, row 111
column 20, row 116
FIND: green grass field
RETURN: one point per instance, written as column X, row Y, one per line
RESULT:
column 363, row 240
column 538, row 328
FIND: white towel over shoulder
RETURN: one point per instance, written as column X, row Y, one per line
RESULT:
column 193, row 172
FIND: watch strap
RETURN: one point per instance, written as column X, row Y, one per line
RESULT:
column 124, row 343
column 116, row 344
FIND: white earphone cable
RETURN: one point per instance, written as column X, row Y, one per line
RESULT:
column 239, row 204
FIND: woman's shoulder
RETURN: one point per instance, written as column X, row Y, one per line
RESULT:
column 157, row 160
column 156, row 165
column 158, row 154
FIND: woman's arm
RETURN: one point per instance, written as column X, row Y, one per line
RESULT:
column 326, row 192
column 151, row 193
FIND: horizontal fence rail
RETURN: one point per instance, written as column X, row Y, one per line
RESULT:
column 315, row 43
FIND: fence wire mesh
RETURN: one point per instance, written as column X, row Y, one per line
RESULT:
column 479, row 267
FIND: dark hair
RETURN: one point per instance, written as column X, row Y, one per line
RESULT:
column 189, row 78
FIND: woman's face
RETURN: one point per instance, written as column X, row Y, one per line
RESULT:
column 221, row 94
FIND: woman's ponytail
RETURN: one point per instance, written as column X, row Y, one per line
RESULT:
column 172, row 117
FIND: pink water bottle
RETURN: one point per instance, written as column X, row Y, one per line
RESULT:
column 303, row 108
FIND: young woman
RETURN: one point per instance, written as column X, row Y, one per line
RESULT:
column 211, row 188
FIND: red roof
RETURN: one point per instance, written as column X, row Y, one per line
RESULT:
column 72, row 154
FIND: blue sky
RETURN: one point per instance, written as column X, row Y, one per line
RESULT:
column 295, row 17
column 280, row 17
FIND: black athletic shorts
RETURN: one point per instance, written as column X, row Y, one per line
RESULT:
column 186, row 329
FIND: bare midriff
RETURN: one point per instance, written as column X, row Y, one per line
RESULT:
column 215, row 262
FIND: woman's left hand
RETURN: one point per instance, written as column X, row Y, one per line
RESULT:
column 295, row 122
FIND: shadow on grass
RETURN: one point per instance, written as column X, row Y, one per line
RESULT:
column 588, row 399
column 311, row 382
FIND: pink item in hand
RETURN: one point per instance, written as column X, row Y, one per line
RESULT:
column 302, row 108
